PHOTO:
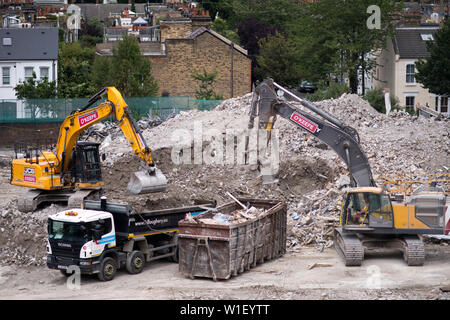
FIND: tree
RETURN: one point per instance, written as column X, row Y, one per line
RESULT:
column 101, row 72
column 221, row 26
column 341, row 27
column 278, row 59
column 130, row 72
column 205, row 90
column 375, row 97
column 434, row 72
column 35, row 89
column 75, row 64
column 36, row 93
column 91, row 32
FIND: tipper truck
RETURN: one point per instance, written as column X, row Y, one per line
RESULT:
column 103, row 237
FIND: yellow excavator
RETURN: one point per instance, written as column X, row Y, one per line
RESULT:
column 371, row 217
column 72, row 172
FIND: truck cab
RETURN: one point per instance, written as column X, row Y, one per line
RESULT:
column 79, row 237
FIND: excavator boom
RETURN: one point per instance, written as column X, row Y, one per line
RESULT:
column 342, row 139
column 368, row 215
column 75, row 165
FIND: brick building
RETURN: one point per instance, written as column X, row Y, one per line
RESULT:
column 184, row 48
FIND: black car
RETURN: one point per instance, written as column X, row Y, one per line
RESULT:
column 307, row 87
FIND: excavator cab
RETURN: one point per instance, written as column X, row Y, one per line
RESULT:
column 367, row 208
column 84, row 164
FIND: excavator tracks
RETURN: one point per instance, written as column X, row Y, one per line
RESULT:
column 414, row 251
column 349, row 247
column 33, row 198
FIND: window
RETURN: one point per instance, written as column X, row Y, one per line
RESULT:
column 7, row 41
column 444, row 104
column 410, row 73
column 6, row 75
column 28, row 73
column 409, row 102
column 43, row 72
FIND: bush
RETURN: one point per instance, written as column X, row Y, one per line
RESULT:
column 375, row 97
column 333, row 91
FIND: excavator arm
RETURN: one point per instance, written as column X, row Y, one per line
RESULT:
column 342, row 139
column 149, row 179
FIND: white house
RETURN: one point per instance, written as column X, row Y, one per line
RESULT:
column 24, row 51
column 397, row 68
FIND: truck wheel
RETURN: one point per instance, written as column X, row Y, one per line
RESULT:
column 108, row 269
column 135, row 262
column 174, row 258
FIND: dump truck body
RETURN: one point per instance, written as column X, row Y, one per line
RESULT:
column 220, row 251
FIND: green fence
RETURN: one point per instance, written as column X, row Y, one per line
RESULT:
column 56, row 110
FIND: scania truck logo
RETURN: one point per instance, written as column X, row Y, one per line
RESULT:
column 65, row 245
column 84, row 120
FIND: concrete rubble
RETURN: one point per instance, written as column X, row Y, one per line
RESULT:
column 235, row 217
column 311, row 176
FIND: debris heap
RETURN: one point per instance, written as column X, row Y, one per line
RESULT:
column 235, row 217
column 311, row 175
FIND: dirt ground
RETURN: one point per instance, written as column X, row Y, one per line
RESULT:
column 382, row 276
column 287, row 278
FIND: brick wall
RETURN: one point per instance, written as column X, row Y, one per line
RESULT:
column 29, row 132
column 173, row 72
column 178, row 29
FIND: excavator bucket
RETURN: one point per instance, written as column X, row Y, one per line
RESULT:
column 147, row 182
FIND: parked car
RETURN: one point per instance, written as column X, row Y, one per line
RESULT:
column 307, row 87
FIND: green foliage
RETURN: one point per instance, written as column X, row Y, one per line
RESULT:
column 130, row 72
column 205, row 90
column 375, row 97
column 75, row 71
column 278, row 59
column 280, row 13
column 222, row 26
column 333, row 91
column 35, row 92
column 339, row 30
column 61, row 34
column 434, row 72
column 100, row 74
column 91, row 32
column 36, row 89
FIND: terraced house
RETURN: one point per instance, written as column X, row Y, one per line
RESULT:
column 396, row 69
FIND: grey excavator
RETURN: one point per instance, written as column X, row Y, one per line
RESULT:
column 370, row 217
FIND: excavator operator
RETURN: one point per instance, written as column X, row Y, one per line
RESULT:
column 361, row 215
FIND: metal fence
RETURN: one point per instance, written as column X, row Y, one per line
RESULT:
column 57, row 109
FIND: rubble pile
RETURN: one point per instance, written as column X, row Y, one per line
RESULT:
column 234, row 217
column 24, row 239
column 311, row 175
